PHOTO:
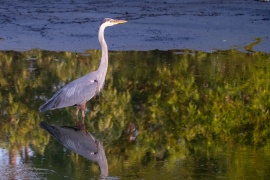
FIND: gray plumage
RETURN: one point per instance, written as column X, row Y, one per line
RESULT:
column 77, row 92
column 81, row 90
column 81, row 142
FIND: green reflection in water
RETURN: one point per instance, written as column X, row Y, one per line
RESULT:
column 199, row 115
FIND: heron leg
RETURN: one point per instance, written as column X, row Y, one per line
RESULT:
column 83, row 110
column 77, row 111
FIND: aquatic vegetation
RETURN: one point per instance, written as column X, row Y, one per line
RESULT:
column 184, row 103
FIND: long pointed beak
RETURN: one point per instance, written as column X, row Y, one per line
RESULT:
column 118, row 21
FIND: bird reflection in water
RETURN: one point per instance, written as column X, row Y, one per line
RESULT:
column 78, row 140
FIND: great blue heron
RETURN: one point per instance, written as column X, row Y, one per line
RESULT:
column 81, row 90
column 80, row 141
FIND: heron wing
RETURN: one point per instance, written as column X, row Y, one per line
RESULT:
column 74, row 139
column 77, row 92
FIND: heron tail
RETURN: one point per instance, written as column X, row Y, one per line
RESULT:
column 47, row 106
column 51, row 129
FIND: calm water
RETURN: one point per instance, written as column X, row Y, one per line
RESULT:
column 196, row 115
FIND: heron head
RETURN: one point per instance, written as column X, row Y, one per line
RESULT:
column 111, row 22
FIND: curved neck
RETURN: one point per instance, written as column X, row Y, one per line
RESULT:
column 102, row 70
column 104, row 58
column 102, row 161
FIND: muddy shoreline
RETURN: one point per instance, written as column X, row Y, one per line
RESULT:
column 187, row 24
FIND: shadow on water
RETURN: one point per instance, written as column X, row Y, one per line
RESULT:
column 162, row 115
column 78, row 140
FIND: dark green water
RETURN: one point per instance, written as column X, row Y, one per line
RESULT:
column 199, row 115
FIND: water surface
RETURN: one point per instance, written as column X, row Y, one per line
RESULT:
column 198, row 115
